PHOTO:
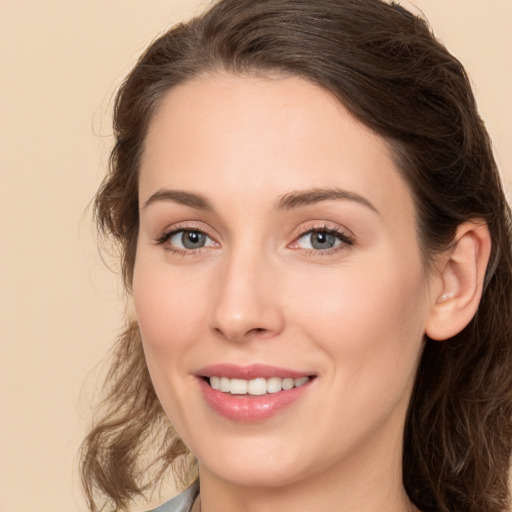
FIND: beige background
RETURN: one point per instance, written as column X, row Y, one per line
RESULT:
column 61, row 61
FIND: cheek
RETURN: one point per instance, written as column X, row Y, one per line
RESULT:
column 168, row 308
column 168, row 312
column 368, row 320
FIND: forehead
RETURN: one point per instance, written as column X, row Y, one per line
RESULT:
column 228, row 135
column 266, row 106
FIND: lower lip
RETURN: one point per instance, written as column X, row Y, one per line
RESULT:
column 250, row 409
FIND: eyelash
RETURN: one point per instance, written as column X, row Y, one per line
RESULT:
column 345, row 239
column 167, row 235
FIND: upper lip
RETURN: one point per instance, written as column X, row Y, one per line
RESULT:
column 253, row 371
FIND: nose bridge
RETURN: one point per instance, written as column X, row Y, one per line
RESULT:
column 246, row 303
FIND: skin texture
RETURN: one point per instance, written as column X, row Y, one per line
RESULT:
column 257, row 292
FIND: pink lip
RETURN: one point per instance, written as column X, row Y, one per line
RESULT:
column 245, row 408
column 253, row 371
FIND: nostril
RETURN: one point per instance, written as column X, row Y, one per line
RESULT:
column 257, row 331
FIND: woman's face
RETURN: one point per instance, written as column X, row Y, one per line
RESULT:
column 277, row 248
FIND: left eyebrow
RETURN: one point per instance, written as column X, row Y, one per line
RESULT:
column 300, row 198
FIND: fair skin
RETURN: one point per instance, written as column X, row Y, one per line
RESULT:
column 275, row 230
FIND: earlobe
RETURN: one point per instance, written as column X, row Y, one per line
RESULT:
column 459, row 282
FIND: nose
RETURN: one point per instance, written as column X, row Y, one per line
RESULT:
column 246, row 303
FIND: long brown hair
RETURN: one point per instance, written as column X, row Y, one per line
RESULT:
column 386, row 67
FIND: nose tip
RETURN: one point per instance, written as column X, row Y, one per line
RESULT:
column 242, row 328
column 246, row 306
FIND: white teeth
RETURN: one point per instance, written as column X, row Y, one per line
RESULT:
column 238, row 387
column 288, row 384
column 301, row 381
column 274, row 384
column 224, row 384
column 255, row 387
column 215, row 382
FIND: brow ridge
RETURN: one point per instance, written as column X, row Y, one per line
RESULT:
column 299, row 198
column 288, row 201
column 191, row 199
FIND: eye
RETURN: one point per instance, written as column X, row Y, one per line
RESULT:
column 188, row 240
column 322, row 239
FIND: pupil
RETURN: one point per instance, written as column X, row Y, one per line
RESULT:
column 193, row 239
column 322, row 240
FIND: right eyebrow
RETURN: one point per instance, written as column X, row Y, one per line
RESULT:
column 196, row 201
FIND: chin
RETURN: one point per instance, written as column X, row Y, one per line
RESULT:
column 255, row 474
column 269, row 464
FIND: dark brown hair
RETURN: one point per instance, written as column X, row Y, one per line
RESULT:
column 386, row 67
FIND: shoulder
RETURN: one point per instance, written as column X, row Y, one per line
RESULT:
column 181, row 503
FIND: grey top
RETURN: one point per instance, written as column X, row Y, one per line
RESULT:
column 181, row 503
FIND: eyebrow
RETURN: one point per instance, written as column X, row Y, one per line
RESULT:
column 296, row 199
column 288, row 201
column 196, row 201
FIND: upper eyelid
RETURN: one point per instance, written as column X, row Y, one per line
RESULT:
column 171, row 230
column 303, row 229
column 187, row 226
column 323, row 226
column 340, row 235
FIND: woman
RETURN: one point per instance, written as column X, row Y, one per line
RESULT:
column 317, row 243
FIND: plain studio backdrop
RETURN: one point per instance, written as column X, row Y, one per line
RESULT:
column 61, row 308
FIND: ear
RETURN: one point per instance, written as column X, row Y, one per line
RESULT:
column 458, row 284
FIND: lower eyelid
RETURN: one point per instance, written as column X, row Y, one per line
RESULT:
column 315, row 253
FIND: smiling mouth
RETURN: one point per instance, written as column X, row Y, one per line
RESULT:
column 254, row 393
column 255, row 387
